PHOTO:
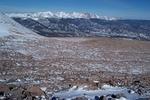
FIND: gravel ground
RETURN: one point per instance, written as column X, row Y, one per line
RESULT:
column 60, row 63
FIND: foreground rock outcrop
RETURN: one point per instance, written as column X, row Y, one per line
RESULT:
column 12, row 92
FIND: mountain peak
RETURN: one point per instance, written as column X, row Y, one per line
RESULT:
column 49, row 14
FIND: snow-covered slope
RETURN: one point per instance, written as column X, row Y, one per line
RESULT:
column 10, row 27
column 49, row 14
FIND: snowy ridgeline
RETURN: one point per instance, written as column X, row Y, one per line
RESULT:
column 49, row 14
column 106, row 91
column 10, row 27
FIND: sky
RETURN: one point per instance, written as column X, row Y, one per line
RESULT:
column 130, row 9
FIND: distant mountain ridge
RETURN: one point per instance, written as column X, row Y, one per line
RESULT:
column 82, row 25
column 49, row 14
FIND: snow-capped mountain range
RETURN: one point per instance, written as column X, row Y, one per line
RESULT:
column 62, row 24
column 49, row 14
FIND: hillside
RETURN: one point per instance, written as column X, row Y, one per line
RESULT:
column 72, row 64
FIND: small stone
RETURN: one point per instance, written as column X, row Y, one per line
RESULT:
column 80, row 98
column 97, row 98
column 96, row 83
column 53, row 98
column 129, row 91
column 113, row 96
column 102, row 98
column 109, row 99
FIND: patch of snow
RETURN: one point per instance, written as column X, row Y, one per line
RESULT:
column 105, row 86
column 1, row 80
column 122, row 98
column 2, row 98
column 43, row 88
column 18, row 80
column 3, row 31
column 96, row 81
column 18, row 64
column 76, row 91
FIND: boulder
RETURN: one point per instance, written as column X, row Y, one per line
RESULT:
column 17, row 93
column 96, row 98
column 4, row 89
column 35, row 91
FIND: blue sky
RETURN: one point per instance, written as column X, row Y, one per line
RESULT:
column 133, row 9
